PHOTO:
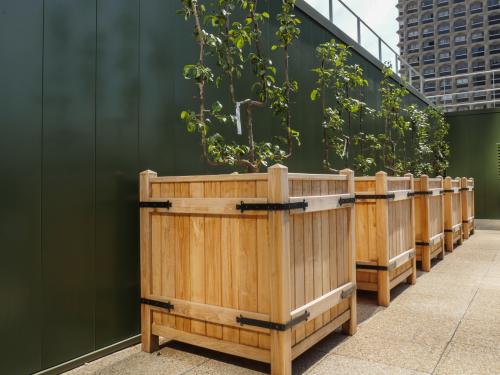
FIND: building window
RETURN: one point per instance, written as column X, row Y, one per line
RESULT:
column 478, row 66
column 459, row 25
column 477, row 51
column 444, row 42
column 461, row 53
column 495, row 79
column 445, row 84
column 462, row 82
column 462, row 97
column 476, row 7
column 444, row 28
column 495, row 63
column 443, row 14
column 412, row 35
column 427, row 18
column 444, row 56
column 444, row 70
column 459, row 11
column 493, row 4
column 429, row 72
column 429, row 58
column 494, row 49
column 442, row 3
column 427, row 4
column 477, row 36
column 477, row 96
column 412, row 21
column 428, row 31
column 413, row 47
column 414, row 60
column 460, row 39
column 428, row 45
column 461, row 67
column 477, row 22
column 494, row 19
column 429, row 86
column 412, row 8
column 494, row 34
column 479, row 80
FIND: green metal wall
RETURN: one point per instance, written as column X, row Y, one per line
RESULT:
column 90, row 94
column 474, row 137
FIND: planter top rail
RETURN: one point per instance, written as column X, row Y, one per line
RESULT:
column 381, row 186
column 467, row 184
column 425, row 185
column 452, row 185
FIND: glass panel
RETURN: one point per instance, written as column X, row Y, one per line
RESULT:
column 369, row 40
column 322, row 6
column 345, row 20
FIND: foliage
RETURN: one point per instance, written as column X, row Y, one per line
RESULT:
column 438, row 142
column 419, row 163
column 336, row 81
column 229, row 35
column 396, row 126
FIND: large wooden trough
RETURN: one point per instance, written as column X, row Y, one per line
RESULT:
column 255, row 265
column 452, row 213
column 468, row 213
column 385, row 234
column 429, row 220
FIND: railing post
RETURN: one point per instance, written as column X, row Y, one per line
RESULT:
column 382, row 236
column 380, row 49
column 359, row 29
column 351, row 326
column 150, row 343
column 279, row 253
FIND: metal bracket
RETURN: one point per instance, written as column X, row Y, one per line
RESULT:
column 166, row 204
column 348, row 291
column 422, row 193
column 422, row 243
column 372, row 267
column 376, row 196
column 270, row 325
column 271, row 206
column 467, row 189
column 164, row 305
column 411, row 194
column 343, row 201
column 448, row 190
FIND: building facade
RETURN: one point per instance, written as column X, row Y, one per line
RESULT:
column 455, row 45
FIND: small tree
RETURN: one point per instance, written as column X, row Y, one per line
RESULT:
column 420, row 141
column 337, row 80
column 233, row 48
column 438, row 142
column 396, row 127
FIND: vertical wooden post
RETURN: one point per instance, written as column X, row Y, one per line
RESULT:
column 465, row 207
column 412, row 279
column 443, row 247
column 448, row 215
column 424, row 207
column 279, row 251
column 351, row 326
column 472, row 204
column 149, row 342
column 461, row 238
column 382, row 236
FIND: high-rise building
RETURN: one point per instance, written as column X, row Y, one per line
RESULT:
column 455, row 45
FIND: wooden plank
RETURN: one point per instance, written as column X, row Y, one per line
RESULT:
column 156, row 252
column 382, row 235
column 308, row 256
column 182, row 258
column 320, row 334
column 279, row 231
column 315, row 177
column 401, row 259
column 325, row 250
column 230, row 261
column 210, row 206
column 333, row 242
column 317, row 256
column 149, row 341
column 168, row 254
column 211, row 313
column 248, row 283
column 298, row 245
column 400, row 278
column 213, row 260
column 233, row 177
column 263, row 265
column 317, row 203
column 213, row 344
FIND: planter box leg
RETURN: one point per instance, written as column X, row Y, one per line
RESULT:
column 281, row 353
column 412, row 279
column 150, row 342
column 466, row 231
column 426, row 259
column 384, row 289
column 441, row 254
column 350, row 327
column 449, row 241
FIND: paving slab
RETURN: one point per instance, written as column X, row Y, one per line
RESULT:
column 478, row 333
column 469, row 360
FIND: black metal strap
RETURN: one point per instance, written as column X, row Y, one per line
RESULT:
column 270, row 325
column 448, row 190
column 375, row 196
column 410, row 194
column 166, row 204
column 466, row 189
column 449, row 230
column 343, row 201
column 372, row 267
column 271, row 206
column 418, row 243
column 164, row 305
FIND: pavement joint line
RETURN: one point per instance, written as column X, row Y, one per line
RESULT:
column 195, row 366
column 461, row 319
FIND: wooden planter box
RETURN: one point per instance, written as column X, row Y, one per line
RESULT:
column 429, row 220
column 228, row 265
column 385, row 234
column 467, row 192
column 452, row 213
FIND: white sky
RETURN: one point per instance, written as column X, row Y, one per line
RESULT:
column 380, row 15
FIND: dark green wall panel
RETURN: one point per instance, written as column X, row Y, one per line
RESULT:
column 68, row 179
column 117, row 155
column 473, row 138
column 21, row 24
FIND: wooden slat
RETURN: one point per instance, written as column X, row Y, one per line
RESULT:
column 318, row 203
column 333, row 242
column 325, row 249
column 213, row 344
column 234, row 177
column 317, row 256
column 308, row 255
column 298, row 245
column 315, row 177
column 401, row 259
column 211, row 313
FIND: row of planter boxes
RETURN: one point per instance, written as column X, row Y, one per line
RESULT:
column 265, row 265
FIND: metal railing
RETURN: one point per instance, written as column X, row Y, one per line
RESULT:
column 338, row 13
